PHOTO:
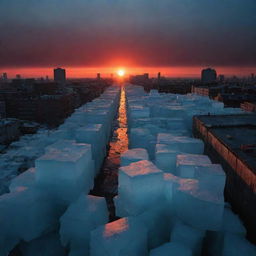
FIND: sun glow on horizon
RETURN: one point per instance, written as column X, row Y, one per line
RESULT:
column 120, row 72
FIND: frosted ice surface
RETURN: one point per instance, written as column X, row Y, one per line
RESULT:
column 94, row 134
column 195, row 206
column 186, row 164
column 36, row 215
column 157, row 222
column 181, row 143
column 211, row 177
column 188, row 236
column 140, row 185
column 82, row 216
column 165, row 158
column 125, row 236
column 170, row 186
column 167, row 111
column 171, row 249
column 62, row 163
column 138, row 112
column 66, row 172
column 25, row 179
column 142, row 138
column 133, row 155
column 230, row 224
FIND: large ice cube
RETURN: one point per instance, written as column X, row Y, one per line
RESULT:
column 82, row 216
column 187, row 163
column 230, row 224
column 142, row 138
column 211, row 177
column 190, row 237
column 125, row 236
column 93, row 134
column 157, row 222
column 66, row 172
column 202, row 209
column 140, row 186
column 181, row 143
column 37, row 213
column 171, row 249
column 165, row 158
column 133, row 155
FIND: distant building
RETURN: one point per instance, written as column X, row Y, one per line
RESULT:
column 5, row 77
column 60, row 75
column 98, row 76
column 209, row 75
column 18, row 76
column 159, row 75
column 221, row 78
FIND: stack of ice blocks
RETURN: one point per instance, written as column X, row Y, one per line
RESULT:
column 93, row 134
column 125, row 236
column 133, row 155
column 139, row 187
column 66, row 170
column 37, row 214
column 82, row 216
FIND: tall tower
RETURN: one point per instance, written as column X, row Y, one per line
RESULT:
column 60, row 75
column 208, row 75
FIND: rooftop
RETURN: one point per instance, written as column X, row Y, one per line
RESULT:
column 237, row 132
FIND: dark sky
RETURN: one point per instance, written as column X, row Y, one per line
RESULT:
column 127, row 32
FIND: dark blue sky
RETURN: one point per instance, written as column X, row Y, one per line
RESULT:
column 136, row 32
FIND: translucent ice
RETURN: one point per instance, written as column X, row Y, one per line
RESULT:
column 125, row 236
column 165, row 158
column 133, row 155
column 181, row 143
column 37, row 214
column 66, row 172
column 140, row 186
column 202, row 209
column 188, row 236
column 82, row 216
column 187, row 163
column 25, row 179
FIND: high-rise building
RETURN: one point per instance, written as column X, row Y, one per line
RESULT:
column 98, row 76
column 60, row 75
column 18, row 76
column 159, row 75
column 208, row 75
column 5, row 77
